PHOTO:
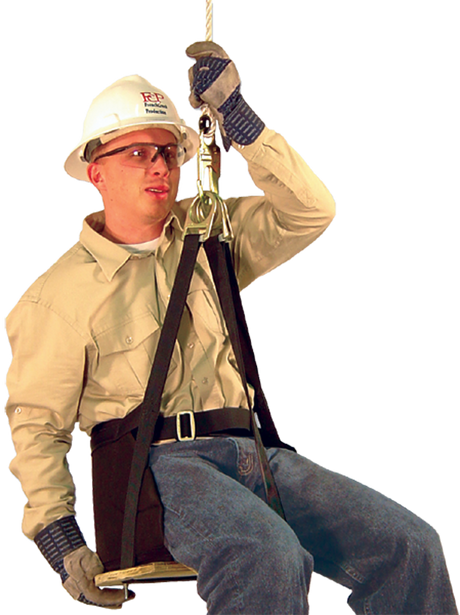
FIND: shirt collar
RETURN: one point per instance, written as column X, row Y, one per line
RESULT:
column 110, row 256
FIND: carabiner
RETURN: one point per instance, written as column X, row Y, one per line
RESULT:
column 208, row 213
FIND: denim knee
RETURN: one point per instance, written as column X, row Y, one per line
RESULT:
column 419, row 544
column 411, row 577
column 274, row 572
column 277, row 553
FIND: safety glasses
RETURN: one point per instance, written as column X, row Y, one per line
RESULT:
column 142, row 155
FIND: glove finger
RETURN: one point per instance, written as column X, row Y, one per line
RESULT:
column 82, row 563
column 207, row 68
column 107, row 597
column 87, row 591
column 194, row 99
column 205, row 48
column 221, row 82
column 214, row 80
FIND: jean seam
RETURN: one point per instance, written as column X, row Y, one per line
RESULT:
column 208, row 539
column 367, row 607
column 353, row 573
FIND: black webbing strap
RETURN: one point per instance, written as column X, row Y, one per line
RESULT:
column 152, row 400
column 227, row 287
column 220, row 268
column 270, row 434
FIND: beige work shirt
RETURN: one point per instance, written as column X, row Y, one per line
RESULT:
column 85, row 333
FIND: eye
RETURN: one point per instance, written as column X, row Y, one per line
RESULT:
column 140, row 153
column 171, row 152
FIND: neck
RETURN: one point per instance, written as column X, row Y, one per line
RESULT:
column 131, row 236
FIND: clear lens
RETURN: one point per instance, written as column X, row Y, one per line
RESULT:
column 144, row 154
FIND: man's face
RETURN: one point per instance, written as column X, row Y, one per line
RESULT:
column 135, row 197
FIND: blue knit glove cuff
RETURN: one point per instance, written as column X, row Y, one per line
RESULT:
column 241, row 124
column 58, row 539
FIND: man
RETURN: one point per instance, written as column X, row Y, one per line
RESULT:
column 84, row 337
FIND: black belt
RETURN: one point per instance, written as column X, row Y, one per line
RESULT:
column 188, row 425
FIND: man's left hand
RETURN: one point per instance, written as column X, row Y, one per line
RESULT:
column 215, row 81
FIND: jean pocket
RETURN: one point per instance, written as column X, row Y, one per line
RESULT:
column 246, row 455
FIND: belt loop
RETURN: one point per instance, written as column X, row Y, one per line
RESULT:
column 192, row 426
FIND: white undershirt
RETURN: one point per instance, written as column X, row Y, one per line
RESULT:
column 139, row 248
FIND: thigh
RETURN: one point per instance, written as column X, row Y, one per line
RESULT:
column 246, row 556
column 206, row 508
column 350, row 529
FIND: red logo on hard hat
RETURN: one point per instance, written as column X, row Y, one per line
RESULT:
column 153, row 97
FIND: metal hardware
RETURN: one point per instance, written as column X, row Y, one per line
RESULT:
column 179, row 435
column 208, row 213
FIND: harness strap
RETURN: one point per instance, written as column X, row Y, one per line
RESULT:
column 220, row 270
column 152, row 400
column 227, row 288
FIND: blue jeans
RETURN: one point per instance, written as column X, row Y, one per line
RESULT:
column 251, row 561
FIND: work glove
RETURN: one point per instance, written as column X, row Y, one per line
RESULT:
column 215, row 81
column 64, row 547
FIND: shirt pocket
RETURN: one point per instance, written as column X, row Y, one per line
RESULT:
column 203, row 303
column 125, row 355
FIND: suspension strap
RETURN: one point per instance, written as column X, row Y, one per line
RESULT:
column 152, row 400
column 151, row 405
column 215, row 251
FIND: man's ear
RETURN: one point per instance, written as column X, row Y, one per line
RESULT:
column 95, row 175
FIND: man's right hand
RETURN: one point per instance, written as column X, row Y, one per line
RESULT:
column 82, row 566
column 63, row 546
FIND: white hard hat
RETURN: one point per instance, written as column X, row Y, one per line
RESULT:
column 131, row 103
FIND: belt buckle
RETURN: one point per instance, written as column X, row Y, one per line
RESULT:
column 179, row 435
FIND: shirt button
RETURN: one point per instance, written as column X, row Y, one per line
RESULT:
column 205, row 381
column 18, row 410
column 191, row 345
column 129, row 340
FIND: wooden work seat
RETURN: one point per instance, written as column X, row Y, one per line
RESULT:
column 147, row 573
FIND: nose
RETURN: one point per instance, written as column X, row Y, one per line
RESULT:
column 158, row 165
